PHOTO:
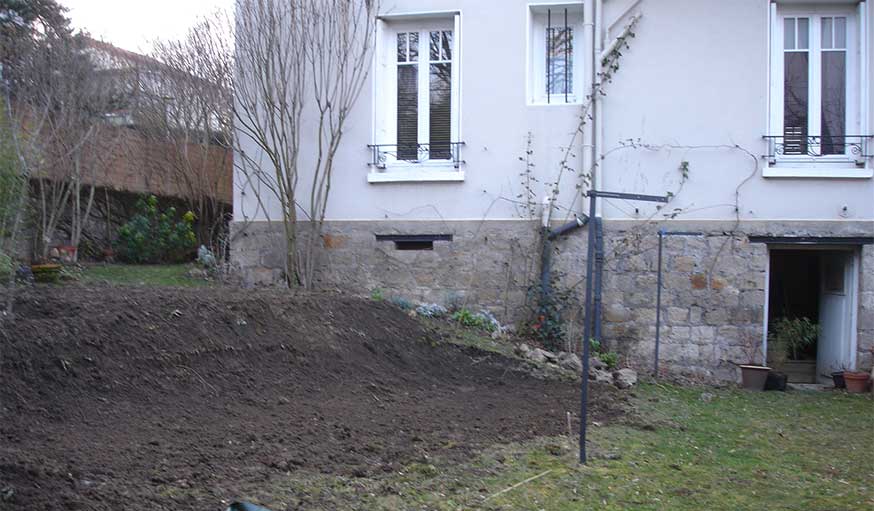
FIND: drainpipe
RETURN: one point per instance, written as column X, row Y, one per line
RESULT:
column 588, row 149
column 598, row 128
column 549, row 235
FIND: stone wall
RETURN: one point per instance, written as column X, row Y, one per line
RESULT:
column 713, row 284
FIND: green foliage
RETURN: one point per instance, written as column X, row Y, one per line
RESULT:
column 402, row 303
column 793, row 335
column 469, row 319
column 376, row 295
column 610, row 359
column 7, row 266
column 155, row 236
column 549, row 326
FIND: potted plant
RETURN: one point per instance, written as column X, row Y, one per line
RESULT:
column 857, row 381
column 789, row 337
column 838, row 379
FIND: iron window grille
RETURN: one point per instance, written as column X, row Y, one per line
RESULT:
column 383, row 154
column 856, row 147
column 559, row 55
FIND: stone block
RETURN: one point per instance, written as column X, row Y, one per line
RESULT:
column 677, row 315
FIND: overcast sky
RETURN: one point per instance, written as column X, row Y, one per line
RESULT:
column 133, row 24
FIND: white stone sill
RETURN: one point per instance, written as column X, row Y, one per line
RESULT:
column 824, row 172
column 414, row 174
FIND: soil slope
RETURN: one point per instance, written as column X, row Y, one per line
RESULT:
column 113, row 398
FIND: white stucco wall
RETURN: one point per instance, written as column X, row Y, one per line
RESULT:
column 696, row 75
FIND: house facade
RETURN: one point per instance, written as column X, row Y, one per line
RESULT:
column 483, row 120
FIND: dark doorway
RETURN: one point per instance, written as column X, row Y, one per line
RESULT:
column 811, row 294
column 794, row 294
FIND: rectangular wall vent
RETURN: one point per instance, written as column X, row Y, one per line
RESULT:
column 414, row 241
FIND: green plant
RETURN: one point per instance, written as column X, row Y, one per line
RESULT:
column 610, row 359
column 155, row 236
column 402, row 303
column 7, row 265
column 376, row 295
column 792, row 335
column 469, row 319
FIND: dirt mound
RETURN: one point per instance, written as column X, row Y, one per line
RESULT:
column 129, row 398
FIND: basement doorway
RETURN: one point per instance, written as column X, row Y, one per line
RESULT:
column 821, row 285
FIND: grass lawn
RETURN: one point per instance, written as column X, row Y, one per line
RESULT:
column 141, row 275
column 732, row 450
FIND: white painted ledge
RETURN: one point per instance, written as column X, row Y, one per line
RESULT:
column 824, row 172
column 417, row 175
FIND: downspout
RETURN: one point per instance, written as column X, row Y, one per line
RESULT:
column 597, row 150
column 588, row 149
column 598, row 128
column 546, row 257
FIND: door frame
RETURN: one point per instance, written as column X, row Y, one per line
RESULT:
column 853, row 302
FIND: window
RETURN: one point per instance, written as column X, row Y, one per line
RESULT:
column 554, row 61
column 416, row 101
column 816, row 90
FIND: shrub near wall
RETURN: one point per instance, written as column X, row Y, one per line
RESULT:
column 156, row 236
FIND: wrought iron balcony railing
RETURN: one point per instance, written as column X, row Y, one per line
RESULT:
column 442, row 152
column 855, row 147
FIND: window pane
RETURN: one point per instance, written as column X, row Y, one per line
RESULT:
column 414, row 46
column 803, row 33
column 827, row 33
column 559, row 61
column 441, row 111
column 447, row 45
column 402, row 47
column 789, row 34
column 795, row 101
column 834, row 101
column 840, row 33
column 408, row 112
column 435, row 45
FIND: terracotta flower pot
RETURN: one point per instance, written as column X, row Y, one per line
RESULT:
column 754, row 377
column 856, row 382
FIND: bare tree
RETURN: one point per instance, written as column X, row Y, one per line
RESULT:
column 296, row 56
column 58, row 104
column 185, row 106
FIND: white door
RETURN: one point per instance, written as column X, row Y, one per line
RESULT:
column 837, row 285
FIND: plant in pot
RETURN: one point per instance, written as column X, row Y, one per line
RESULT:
column 788, row 339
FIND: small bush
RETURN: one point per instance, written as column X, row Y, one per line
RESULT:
column 610, row 359
column 155, row 236
column 469, row 319
column 431, row 310
column 402, row 303
column 7, row 266
column 376, row 295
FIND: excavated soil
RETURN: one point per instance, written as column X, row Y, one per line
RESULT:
column 144, row 399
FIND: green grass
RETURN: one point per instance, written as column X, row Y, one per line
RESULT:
column 175, row 275
column 736, row 451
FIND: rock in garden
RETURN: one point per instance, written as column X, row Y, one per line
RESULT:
column 595, row 363
column 600, row 376
column 522, row 350
column 625, row 378
column 537, row 355
column 570, row 362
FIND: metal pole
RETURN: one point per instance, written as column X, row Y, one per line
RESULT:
column 658, row 305
column 587, row 329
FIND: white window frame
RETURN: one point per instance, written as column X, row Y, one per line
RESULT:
column 385, row 95
column 827, row 166
column 536, row 87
